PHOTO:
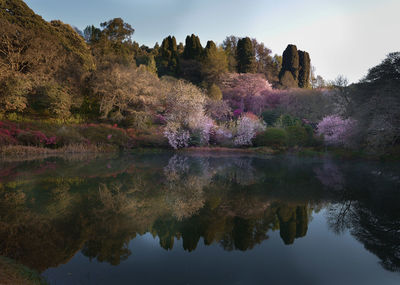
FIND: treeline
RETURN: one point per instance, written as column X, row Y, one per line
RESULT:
column 235, row 94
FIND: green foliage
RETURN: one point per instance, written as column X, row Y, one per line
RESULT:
column 214, row 63
column 214, row 93
column 69, row 135
column 290, row 63
column 271, row 116
column 298, row 135
column 13, row 94
column 168, row 61
column 286, row 120
column 304, row 69
column 52, row 99
column 245, row 56
column 193, row 48
column 275, row 137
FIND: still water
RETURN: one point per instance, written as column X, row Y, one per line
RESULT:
column 202, row 219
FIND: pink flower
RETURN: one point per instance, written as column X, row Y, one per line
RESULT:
column 109, row 137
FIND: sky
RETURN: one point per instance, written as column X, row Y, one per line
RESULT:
column 343, row 37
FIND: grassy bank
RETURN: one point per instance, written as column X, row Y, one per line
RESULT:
column 12, row 273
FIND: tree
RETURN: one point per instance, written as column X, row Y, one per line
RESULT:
column 122, row 90
column 289, row 74
column 116, row 30
column 214, row 63
column 168, row 61
column 193, row 48
column 215, row 93
column 230, row 45
column 245, row 56
column 91, row 34
column 304, row 69
column 265, row 64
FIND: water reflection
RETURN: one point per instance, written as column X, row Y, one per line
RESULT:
column 53, row 208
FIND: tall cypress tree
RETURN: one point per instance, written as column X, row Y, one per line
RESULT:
column 290, row 62
column 304, row 69
column 193, row 48
column 245, row 56
column 168, row 61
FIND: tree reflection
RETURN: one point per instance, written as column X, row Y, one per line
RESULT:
column 235, row 203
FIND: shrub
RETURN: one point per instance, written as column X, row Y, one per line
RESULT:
column 248, row 125
column 215, row 93
column 298, row 135
column 138, row 120
column 177, row 136
column 104, row 134
column 271, row 116
column 272, row 137
column 68, row 136
column 286, row 120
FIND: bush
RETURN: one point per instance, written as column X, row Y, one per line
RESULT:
column 286, row 120
column 298, row 135
column 270, row 116
column 272, row 137
column 104, row 134
column 68, row 136
column 138, row 120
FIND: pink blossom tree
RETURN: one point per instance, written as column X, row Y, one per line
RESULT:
column 337, row 131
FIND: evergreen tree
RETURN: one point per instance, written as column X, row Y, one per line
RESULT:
column 304, row 69
column 245, row 56
column 214, row 63
column 290, row 66
column 193, row 48
column 167, row 60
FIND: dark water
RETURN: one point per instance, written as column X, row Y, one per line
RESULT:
column 199, row 219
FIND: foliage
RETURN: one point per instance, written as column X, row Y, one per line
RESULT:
column 123, row 90
column 185, row 115
column 245, row 91
column 247, row 126
column 52, row 98
column 298, row 135
column 13, row 94
column 304, row 69
column 167, row 60
column 270, row 116
column 290, row 66
column 193, row 48
column 275, row 137
column 245, row 56
column 285, row 121
column 337, row 131
column 214, row 63
column 215, row 93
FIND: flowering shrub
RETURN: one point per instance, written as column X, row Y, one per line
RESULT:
column 248, row 125
column 177, row 137
column 336, row 131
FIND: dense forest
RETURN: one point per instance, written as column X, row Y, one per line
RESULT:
column 62, row 87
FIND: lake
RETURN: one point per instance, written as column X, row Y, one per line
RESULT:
column 175, row 218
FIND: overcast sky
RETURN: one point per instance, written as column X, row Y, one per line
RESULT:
column 342, row 36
